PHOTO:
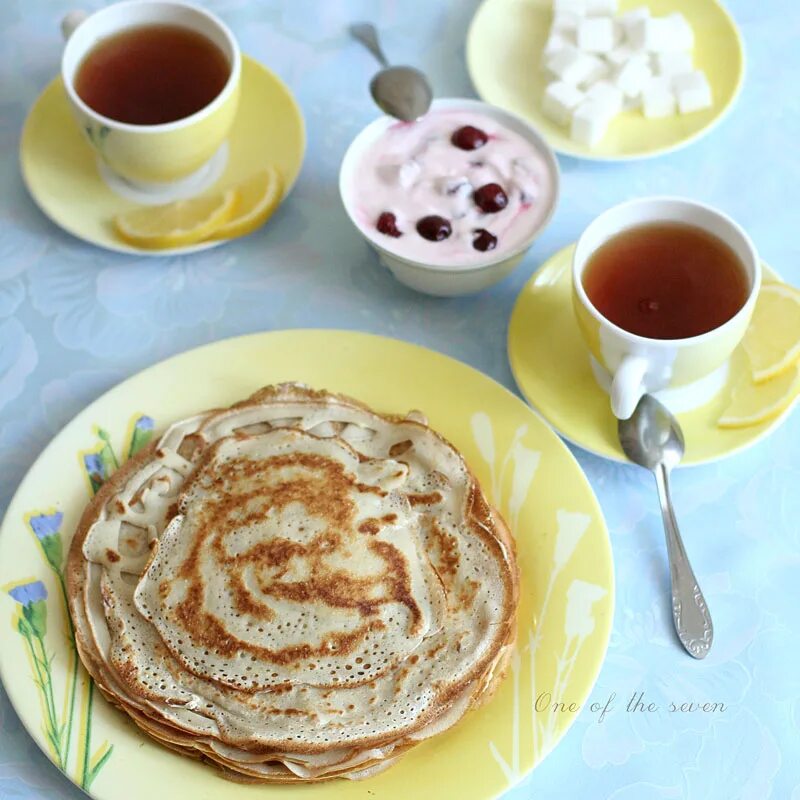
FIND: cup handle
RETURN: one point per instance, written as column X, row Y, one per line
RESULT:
column 627, row 387
column 71, row 21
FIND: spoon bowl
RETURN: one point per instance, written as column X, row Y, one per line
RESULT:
column 652, row 435
column 401, row 92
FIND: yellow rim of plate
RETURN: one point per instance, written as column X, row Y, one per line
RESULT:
column 573, row 404
column 491, row 75
column 563, row 549
column 66, row 185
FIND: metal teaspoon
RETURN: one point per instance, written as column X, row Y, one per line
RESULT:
column 652, row 438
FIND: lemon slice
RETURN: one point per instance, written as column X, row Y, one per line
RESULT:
column 259, row 196
column 177, row 224
column 753, row 403
column 772, row 341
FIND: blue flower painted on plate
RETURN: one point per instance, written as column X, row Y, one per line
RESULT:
column 33, row 621
column 95, row 469
column 18, row 359
column 94, row 465
column 145, row 423
column 47, row 529
column 29, row 593
column 59, row 719
column 45, row 525
column 141, row 434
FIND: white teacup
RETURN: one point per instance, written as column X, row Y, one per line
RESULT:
column 682, row 373
column 164, row 161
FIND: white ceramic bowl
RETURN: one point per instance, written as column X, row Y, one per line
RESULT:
column 448, row 281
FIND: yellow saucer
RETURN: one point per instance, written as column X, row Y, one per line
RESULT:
column 551, row 367
column 504, row 47
column 60, row 169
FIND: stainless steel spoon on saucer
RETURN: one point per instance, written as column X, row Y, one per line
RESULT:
column 400, row 92
column 652, row 438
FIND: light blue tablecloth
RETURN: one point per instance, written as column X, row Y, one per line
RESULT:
column 75, row 320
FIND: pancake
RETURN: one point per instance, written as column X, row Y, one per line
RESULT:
column 295, row 588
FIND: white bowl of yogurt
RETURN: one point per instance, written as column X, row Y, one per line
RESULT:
column 451, row 202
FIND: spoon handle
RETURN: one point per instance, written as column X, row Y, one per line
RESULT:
column 689, row 610
column 365, row 33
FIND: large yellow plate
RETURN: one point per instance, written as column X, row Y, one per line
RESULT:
column 504, row 47
column 550, row 363
column 566, row 590
column 60, row 168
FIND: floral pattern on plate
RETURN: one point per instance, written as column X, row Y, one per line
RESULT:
column 67, row 720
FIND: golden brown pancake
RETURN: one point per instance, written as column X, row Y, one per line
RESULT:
column 295, row 588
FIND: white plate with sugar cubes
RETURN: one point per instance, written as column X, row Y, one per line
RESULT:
column 608, row 80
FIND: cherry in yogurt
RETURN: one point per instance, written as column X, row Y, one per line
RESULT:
column 483, row 240
column 468, row 137
column 387, row 224
column 490, row 198
column 434, row 228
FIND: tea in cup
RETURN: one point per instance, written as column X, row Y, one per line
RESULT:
column 663, row 290
column 154, row 86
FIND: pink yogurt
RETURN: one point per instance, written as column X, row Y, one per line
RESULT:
column 413, row 170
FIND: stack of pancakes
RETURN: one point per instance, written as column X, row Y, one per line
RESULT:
column 295, row 588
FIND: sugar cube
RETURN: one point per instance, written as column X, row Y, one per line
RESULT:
column 658, row 99
column 632, row 103
column 682, row 32
column 606, row 95
column 658, row 104
column 662, row 34
column 596, row 34
column 633, row 75
column 693, row 91
column 572, row 66
column 632, row 17
column 559, row 101
column 619, row 32
column 619, row 55
column 565, row 21
column 557, row 41
column 673, row 63
column 658, row 83
column 599, row 70
column 589, row 123
column 562, row 60
column 575, row 6
column 655, row 34
column 600, row 7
